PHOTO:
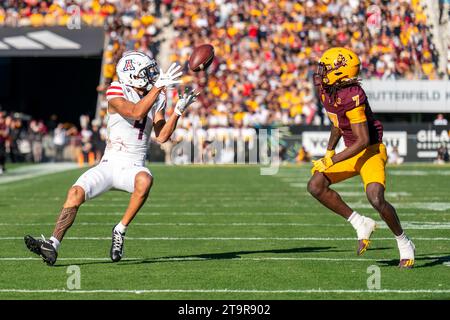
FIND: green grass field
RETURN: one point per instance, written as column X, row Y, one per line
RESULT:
column 228, row 233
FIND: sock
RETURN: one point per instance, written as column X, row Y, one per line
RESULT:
column 55, row 242
column 121, row 228
column 355, row 219
column 402, row 240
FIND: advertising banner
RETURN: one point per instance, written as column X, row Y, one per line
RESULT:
column 421, row 96
column 316, row 142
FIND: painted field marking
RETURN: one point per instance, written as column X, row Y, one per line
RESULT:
column 147, row 291
column 206, row 259
column 418, row 172
column 184, row 213
column 410, row 225
column 36, row 170
column 234, row 238
column 432, row 206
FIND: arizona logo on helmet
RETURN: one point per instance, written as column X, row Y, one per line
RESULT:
column 128, row 65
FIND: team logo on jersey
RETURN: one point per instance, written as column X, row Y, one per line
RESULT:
column 128, row 65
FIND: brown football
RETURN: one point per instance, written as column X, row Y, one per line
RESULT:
column 201, row 57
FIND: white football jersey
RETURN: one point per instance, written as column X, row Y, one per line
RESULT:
column 129, row 138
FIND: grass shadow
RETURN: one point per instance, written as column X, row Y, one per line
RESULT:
column 208, row 256
column 430, row 261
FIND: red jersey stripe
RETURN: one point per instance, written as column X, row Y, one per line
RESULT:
column 114, row 94
column 115, row 87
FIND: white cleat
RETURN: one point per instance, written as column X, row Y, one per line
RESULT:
column 407, row 253
column 364, row 231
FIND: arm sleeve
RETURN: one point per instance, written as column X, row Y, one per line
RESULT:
column 357, row 115
column 114, row 91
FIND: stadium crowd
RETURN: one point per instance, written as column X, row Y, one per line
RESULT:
column 265, row 54
column 39, row 13
column 24, row 139
column 266, row 51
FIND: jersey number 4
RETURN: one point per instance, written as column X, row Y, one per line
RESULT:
column 140, row 124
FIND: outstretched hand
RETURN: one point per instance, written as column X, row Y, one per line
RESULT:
column 185, row 101
column 169, row 78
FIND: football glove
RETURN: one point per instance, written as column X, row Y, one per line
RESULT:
column 169, row 78
column 321, row 165
column 185, row 101
column 330, row 153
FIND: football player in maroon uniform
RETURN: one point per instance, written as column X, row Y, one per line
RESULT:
column 365, row 154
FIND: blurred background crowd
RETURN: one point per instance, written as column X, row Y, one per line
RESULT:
column 267, row 50
column 24, row 139
column 265, row 55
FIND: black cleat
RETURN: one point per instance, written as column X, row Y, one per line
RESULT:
column 116, row 252
column 43, row 248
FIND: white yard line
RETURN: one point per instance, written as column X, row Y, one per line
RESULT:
column 234, row 238
column 184, row 213
column 410, row 225
column 432, row 206
column 147, row 291
column 36, row 170
column 203, row 259
column 168, row 259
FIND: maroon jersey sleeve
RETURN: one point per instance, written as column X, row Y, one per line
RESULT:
column 351, row 98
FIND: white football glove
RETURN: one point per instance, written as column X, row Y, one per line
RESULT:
column 169, row 78
column 185, row 101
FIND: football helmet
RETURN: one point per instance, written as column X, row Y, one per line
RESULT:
column 337, row 65
column 138, row 70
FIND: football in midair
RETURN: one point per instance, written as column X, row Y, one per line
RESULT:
column 201, row 57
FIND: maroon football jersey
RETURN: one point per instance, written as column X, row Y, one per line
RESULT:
column 344, row 100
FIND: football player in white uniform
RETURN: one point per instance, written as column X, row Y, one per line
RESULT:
column 136, row 104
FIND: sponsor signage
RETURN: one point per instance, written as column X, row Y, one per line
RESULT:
column 421, row 96
column 316, row 142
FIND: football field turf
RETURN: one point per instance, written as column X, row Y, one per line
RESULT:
column 228, row 233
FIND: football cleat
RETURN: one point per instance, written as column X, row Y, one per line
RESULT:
column 43, row 248
column 116, row 252
column 406, row 264
column 363, row 245
column 364, row 232
column 407, row 254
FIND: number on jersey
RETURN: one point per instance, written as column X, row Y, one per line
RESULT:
column 140, row 124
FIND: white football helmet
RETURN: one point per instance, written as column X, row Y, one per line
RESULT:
column 136, row 69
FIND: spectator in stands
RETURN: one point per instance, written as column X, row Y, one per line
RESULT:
column 440, row 120
column 266, row 50
column 59, row 140
column 3, row 137
column 303, row 156
column 98, row 139
column 442, row 155
column 394, row 157
column 15, row 133
column 52, row 123
column 444, row 5
column 36, row 134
